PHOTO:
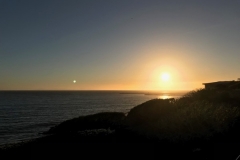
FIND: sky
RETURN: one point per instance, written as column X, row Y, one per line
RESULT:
column 118, row 44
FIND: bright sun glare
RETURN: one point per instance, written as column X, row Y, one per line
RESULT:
column 165, row 77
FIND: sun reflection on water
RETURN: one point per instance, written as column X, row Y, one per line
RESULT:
column 164, row 97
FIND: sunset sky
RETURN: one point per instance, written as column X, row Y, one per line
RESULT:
column 118, row 44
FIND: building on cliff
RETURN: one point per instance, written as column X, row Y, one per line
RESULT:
column 222, row 85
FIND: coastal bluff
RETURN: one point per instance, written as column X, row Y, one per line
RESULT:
column 203, row 124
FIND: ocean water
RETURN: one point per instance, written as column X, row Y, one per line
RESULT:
column 26, row 114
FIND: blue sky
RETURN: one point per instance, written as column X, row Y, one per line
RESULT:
column 117, row 45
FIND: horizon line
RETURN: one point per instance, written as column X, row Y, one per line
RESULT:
column 92, row 90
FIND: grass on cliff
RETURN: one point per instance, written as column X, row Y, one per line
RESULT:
column 201, row 114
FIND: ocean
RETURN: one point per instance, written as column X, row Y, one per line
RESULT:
column 26, row 114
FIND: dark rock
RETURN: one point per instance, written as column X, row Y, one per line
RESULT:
column 105, row 120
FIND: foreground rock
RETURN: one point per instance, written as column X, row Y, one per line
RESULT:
column 107, row 120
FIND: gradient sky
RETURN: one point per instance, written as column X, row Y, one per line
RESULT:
column 118, row 44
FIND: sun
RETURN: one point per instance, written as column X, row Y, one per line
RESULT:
column 165, row 76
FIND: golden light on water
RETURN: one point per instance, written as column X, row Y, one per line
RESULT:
column 164, row 97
